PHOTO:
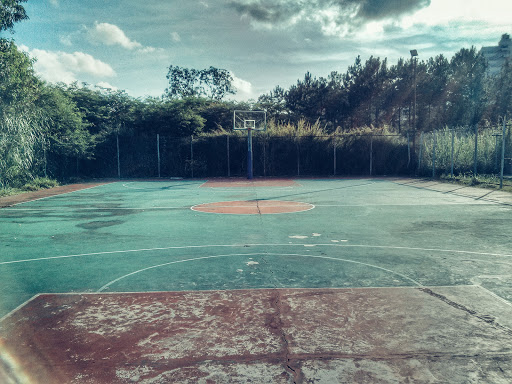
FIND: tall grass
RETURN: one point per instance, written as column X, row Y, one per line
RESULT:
column 488, row 151
column 21, row 148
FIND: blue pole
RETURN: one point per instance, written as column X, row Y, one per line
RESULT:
column 249, row 154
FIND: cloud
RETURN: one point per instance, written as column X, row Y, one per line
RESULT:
column 333, row 17
column 104, row 84
column 55, row 3
column 110, row 34
column 65, row 67
column 175, row 36
column 243, row 87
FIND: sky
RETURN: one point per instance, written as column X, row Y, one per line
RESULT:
column 130, row 44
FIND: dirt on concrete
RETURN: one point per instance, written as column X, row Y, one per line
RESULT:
column 372, row 335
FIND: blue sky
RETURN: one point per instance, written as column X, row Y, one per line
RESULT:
column 129, row 44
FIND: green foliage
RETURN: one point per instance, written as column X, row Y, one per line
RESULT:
column 481, row 181
column 40, row 183
column 463, row 154
column 34, row 185
column 66, row 127
column 20, row 148
column 19, row 87
column 11, row 11
column 212, row 83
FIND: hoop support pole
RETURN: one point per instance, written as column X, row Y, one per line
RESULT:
column 249, row 154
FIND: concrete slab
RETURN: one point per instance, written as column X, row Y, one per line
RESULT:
column 385, row 335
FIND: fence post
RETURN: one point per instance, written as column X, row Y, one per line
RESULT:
column 503, row 151
column 192, row 155
column 475, row 166
column 421, row 152
column 45, row 160
column 408, row 150
column 453, row 151
column 298, row 156
column 434, row 155
column 334, row 153
column 371, row 154
column 496, row 153
column 264, row 155
column 158, row 152
column 229, row 164
column 118, row 158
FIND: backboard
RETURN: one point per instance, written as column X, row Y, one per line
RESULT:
column 250, row 120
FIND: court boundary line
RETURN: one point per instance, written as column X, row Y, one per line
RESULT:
column 187, row 207
column 12, row 312
column 263, row 254
column 254, row 181
column 264, row 245
column 61, row 194
column 505, row 301
column 176, row 182
column 120, row 293
column 312, row 206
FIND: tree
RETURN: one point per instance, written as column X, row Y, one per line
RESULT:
column 212, row 83
column 19, row 86
column 465, row 87
column 66, row 128
column 274, row 103
column 500, row 94
column 173, row 117
column 307, row 98
column 11, row 11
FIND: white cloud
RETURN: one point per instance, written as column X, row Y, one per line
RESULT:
column 66, row 40
column 110, row 34
column 104, row 84
column 243, row 87
column 443, row 12
column 55, row 3
column 56, row 66
column 175, row 36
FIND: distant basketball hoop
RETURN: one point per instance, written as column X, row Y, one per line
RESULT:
column 249, row 121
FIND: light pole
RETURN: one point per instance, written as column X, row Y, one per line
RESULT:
column 414, row 55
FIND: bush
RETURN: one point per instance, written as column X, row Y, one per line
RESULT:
column 40, row 183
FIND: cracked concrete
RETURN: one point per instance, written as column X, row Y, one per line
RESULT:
column 385, row 335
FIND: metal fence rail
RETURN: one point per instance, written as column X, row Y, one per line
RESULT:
column 447, row 151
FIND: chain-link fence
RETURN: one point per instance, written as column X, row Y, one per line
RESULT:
column 458, row 151
column 465, row 151
column 226, row 155
column 426, row 154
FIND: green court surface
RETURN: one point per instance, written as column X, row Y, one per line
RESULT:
column 144, row 236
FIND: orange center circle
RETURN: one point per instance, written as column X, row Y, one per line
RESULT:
column 253, row 207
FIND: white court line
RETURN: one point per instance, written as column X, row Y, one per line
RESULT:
column 505, row 301
column 120, row 293
column 435, row 203
column 186, row 207
column 259, row 254
column 268, row 245
column 245, row 206
column 19, row 307
column 60, row 194
column 177, row 182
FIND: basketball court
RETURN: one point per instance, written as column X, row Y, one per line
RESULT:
column 357, row 280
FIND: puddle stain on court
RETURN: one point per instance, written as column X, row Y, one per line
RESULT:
column 93, row 225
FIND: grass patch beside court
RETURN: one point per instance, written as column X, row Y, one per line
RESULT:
column 34, row 185
column 480, row 181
